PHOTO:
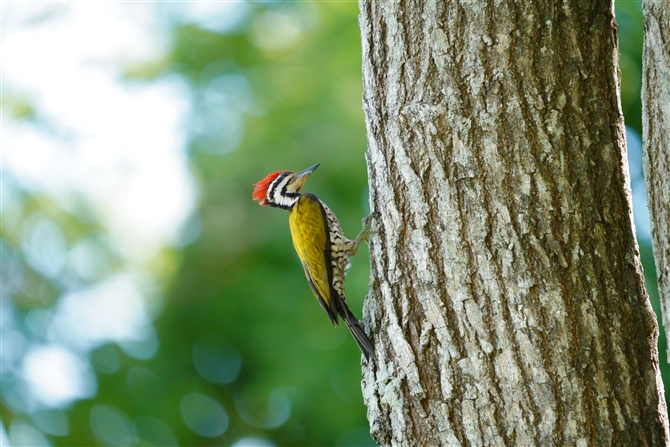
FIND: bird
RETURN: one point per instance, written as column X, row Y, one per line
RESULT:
column 320, row 243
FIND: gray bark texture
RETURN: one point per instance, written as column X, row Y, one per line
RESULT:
column 507, row 301
column 656, row 139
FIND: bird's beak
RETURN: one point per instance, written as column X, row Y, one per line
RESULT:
column 307, row 171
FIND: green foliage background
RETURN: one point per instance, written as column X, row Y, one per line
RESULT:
column 236, row 297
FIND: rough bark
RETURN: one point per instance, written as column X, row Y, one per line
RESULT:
column 656, row 139
column 507, row 300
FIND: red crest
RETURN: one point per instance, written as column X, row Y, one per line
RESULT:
column 261, row 188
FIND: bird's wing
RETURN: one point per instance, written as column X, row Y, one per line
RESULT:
column 307, row 220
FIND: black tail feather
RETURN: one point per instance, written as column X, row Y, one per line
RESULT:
column 357, row 331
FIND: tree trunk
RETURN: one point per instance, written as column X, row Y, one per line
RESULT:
column 656, row 139
column 507, row 301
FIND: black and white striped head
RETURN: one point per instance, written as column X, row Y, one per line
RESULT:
column 281, row 189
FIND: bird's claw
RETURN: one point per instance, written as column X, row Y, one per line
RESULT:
column 367, row 224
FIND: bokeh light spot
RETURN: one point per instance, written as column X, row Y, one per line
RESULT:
column 252, row 441
column 216, row 361
column 144, row 348
column 88, row 259
column 112, row 310
column 13, row 348
column 153, row 431
column 111, row 427
column 57, row 376
column 44, row 247
column 271, row 415
column 22, row 434
column 204, row 415
column 52, row 422
column 281, row 27
column 11, row 270
column 219, row 17
column 639, row 191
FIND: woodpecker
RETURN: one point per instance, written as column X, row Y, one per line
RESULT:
column 318, row 239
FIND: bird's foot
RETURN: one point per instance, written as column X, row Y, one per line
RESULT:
column 365, row 233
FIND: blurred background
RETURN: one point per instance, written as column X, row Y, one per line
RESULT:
column 144, row 298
